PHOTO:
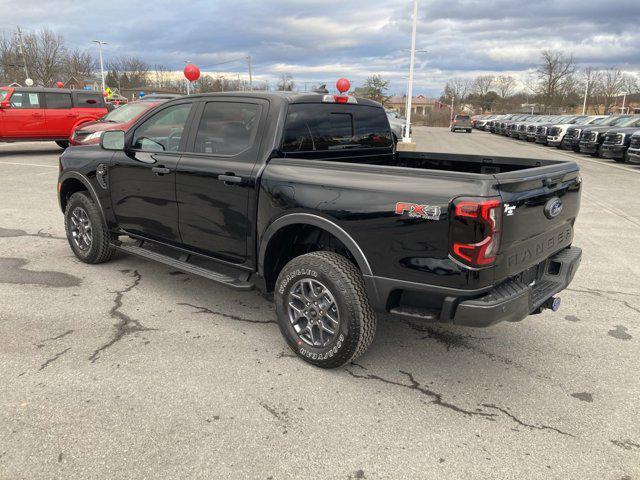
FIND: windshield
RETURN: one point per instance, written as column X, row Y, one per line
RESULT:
column 617, row 121
column 629, row 122
column 601, row 121
column 580, row 119
column 126, row 113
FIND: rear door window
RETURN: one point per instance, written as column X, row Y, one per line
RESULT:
column 322, row 127
column 25, row 100
column 89, row 100
column 227, row 128
column 57, row 100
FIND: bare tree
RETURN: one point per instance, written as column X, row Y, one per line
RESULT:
column 128, row 72
column 160, row 75
column 11, row 64
column 589, row 82
column 286, row 83
column 46, row 54
column 505, row 85
column 482, row 84
column 611, row 86
column 554, row 75
column 79, row 64
column 456, row 89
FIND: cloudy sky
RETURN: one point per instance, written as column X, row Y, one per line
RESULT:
column 321, row 40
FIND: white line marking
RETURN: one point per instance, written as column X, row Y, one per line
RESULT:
column 29, row 164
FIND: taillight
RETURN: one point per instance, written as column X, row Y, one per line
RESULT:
column 476, row 230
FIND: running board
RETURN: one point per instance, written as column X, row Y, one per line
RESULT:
column 415, row 313
column 231, row 282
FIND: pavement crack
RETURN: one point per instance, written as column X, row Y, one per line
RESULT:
column 57, row 337
column 210, row 311
column 607, row 294
column 626, row 444
column 126, row 325
column 11, row 232
column 527, row 425
column 436, row 398
column 53, row 359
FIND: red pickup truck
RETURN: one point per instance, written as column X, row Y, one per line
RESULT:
column 50, row 114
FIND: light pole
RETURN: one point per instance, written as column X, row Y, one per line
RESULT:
column 407, row 138
column 250, row 73
column 586, row 94
column 100, row 43
column 187, row 62
column 624, row 101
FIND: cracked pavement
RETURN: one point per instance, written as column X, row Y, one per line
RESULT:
column 132, row 370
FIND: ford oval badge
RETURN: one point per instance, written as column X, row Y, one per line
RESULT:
column 553, row 207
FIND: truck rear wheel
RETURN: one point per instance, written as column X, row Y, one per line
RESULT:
column 86, row 232
column 323, row 310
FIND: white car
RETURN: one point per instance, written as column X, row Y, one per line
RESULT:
column 556, row 133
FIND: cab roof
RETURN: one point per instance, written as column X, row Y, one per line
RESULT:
column 285, row 97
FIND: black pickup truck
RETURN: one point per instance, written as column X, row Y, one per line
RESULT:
column 305, row 196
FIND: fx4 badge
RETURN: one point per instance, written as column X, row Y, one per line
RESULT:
column 509, row 210
column 426, row 212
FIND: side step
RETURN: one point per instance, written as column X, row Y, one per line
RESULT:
column 416, row 313
column 231, row 282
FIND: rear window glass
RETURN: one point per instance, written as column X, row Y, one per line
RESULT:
column 462, row 117
column 25, row 100
column 58, row 100
column 89, row 100
column 322, row 127
column 227, row 128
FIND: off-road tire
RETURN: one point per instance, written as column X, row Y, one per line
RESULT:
column 101, row 249
column 357, row 320
column 63, row 144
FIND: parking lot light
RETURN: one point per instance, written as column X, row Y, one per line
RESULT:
column 100, row 43
column 407, row 137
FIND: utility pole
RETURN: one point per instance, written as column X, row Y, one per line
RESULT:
column 624, row 101
column 100, row 43
column 250, row 73
column 407, row 138
column 24, row 58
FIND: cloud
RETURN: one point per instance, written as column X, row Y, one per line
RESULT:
column 318, row 41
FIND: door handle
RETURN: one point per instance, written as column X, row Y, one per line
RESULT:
column 160, row 170
column 230, row 178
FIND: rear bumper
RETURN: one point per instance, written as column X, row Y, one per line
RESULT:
column 513, row 300
column 509, row 301
column 612, row 151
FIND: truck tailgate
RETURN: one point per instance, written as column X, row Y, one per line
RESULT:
column 540, row 210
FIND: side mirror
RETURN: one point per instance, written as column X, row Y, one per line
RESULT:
column 112, row 140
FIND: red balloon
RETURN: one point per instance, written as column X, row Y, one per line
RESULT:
column 59, row 84
column 343, row 85
column 191, row 72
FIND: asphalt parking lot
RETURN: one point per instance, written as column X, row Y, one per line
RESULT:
column 131, row 370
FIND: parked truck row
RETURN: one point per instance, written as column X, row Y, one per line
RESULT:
column 616, row 137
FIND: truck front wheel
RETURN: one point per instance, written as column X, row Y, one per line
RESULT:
column 87, row 235
column 323, row 310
